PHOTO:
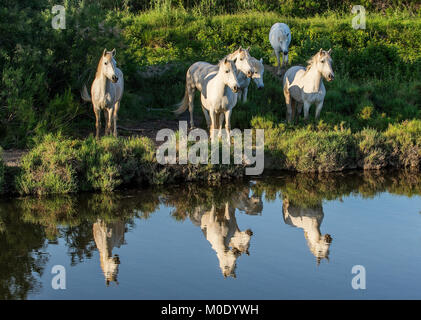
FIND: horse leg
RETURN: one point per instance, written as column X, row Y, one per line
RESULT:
column 109, row 120
column 288, row 103
column 299, row 108
column 293, row 108
column 206, row 113
column 220, row 123
column 318, row 109
column 279, row 61
column 228, row 124
column 245, row 90
column 213, row 117
column 190, row 92
column 97, row 112
column 116, row 107
column 306, row 110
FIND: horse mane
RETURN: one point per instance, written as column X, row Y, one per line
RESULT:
column 99, row 67
column 311, row 61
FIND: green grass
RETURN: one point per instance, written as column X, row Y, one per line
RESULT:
column 377, row 69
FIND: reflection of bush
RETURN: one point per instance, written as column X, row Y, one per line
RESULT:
column 307, row 190
column 19, row 262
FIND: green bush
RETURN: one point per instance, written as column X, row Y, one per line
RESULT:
column 405, row 143
column 372, row 151
column 50, row 167
column 109, row 163
column 2, row 173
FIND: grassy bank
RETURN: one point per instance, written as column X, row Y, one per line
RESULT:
column 377, row 70
column 370, row 119
column 59, row 165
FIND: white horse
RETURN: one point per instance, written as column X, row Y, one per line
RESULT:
column 220, row 228
column 304, row 86
column 309, row 219
column 106, row 91
column 280, row 39
column 244, row 80
column 196, row 78
column 107, row 236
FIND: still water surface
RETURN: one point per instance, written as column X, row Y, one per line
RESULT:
column 279, row 237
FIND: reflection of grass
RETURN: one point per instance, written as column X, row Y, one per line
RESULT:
column 300, row 189
column 310, row 190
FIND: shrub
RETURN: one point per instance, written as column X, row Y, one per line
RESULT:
column 405, row 142
column 50, row 167
column 372, row 151
column 2, row 171
column 110, row 162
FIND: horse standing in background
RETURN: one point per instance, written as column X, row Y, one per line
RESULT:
column 304, row 86
column 244, row 80
column 197, row 78
column 106, row 92
column 280, row 39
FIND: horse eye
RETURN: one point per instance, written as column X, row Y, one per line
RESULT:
column 323, row 61
column 241, row 59
column 227, row 71
column 105, row 62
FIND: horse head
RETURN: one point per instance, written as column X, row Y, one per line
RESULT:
column 108, row 65
column 323, row 63
column 242, row 60
column 228, row 72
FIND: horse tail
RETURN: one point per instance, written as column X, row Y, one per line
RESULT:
column 184, row 104
column 85, row 95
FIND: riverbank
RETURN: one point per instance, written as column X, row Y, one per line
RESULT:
column 61, row 165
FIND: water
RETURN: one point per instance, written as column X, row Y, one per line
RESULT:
column 279, row 237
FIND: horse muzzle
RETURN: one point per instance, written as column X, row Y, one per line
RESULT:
column 249, row 74
column 235, row 89
column 330, row 77
column 114, row 79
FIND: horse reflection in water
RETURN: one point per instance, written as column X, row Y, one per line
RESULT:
column 309, row 219
column 107, row 236
column 220, row 228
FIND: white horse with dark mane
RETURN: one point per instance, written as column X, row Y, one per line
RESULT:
column 304, row 86
column 106, row 92
column 280, row 39
column 197, row 78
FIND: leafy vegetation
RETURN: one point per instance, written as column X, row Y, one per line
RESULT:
column 377, row 69
column 370, row 119
column 317, row 148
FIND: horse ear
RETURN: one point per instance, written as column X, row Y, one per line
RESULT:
column 104, row 52
column 329, row 51
column 261, row 60
column 248, row 48
column 226, row 60
column 240, row 48
column 113, row 52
